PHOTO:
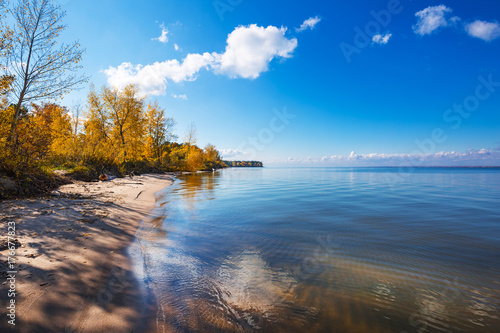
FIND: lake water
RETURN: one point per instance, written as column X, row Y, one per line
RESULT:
column 326, row 250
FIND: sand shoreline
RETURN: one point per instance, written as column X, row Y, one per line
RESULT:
column 74, row 272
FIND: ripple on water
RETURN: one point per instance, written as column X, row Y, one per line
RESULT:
column 327, row 250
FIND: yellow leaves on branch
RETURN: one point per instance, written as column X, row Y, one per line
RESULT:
column 119, row 130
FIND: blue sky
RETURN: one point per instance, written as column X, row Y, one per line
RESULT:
column 296, row 83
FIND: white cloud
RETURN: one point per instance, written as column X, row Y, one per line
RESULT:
column 183, row 96
column 310, row 23
column 152, row 79
column 176, row 47
column 433, row 18
column 381, row 39
column 470, row 157
column 164, row 35
column 486, row 31
column 251, row 48
column 232, row 153
column 249, row 51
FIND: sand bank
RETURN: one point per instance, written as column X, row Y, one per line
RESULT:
column 74, row 274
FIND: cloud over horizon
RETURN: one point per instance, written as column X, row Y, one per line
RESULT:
column 232, row 153
column 249, row 51
column 471, row 157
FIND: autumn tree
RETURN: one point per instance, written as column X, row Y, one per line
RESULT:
column 97, row 128
column 56, row 124
column 115, row 124
column 193, row 155
column 41, row 68
column 212, row 158
column 125, row 112
column 6, row 112
column 194, row 159
column 158, row 131
column 6, row 35
column 176, row 157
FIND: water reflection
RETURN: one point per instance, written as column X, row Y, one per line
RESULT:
column 195, row 185
column 326, row 251
column 252, row 288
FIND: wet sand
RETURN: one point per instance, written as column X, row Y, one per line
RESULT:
column 74, row 271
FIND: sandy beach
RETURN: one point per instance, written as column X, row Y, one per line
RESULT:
column 73, row 271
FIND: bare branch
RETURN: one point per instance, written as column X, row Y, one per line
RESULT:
column 42, row 69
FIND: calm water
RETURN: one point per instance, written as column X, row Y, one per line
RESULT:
column 327, row 250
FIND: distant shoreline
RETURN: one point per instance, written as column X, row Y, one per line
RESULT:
column 393, row 167
column 429, row 167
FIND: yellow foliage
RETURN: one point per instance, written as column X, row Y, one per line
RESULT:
column 56, row 122
column 119, row 133
column 156, row 131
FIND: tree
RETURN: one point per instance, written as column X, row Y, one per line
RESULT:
column 212, row 157
column 125, row 112
column 41, row 69
column 190, row 137
column 194, row 158
column 115, row 124
column 56, row 124
column 6, row 35
column 193, row 154
column 77, row 110
column 158, row 131
column 96, row 127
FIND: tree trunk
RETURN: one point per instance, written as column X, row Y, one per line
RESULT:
column 13, row 124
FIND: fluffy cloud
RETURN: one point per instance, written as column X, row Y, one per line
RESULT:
column 232, row 153
column 183, row 96
column 164, row 35
column 251, row 48
column 486, row 31
column 381, row 39
column 470, row 157
column 433, row 18
column 249, row 51
column 152, row 79
column 310, row 23
column 176, row 47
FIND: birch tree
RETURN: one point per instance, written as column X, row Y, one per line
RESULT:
column 42, row 68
